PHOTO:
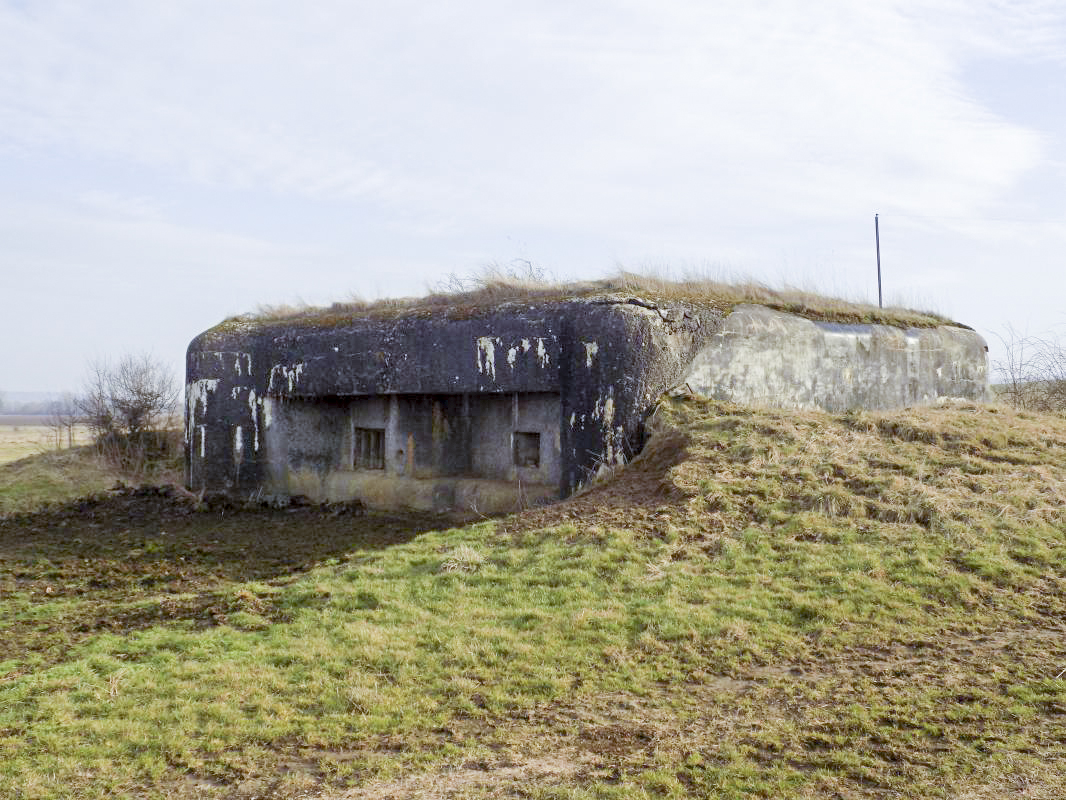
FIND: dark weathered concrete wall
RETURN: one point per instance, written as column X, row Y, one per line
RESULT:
column 602, row 361
column 271, row 408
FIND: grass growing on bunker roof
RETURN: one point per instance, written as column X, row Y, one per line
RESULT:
column 493, row 288
column 768, row 604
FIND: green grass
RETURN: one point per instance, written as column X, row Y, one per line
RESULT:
column 52, row 477
column 854, row 605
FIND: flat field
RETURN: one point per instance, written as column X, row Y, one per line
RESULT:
column 33, row 472
column 764, row 604
column 22, row 436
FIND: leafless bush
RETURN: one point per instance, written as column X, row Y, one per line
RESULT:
column 1032, row 372
column 126, row 407
column 63, row 418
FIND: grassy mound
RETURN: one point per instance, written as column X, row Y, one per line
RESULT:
column 59, row 476
column 763, row 604
column 54, row 476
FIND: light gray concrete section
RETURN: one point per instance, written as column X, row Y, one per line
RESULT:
column 763, row 357
column 497, row 418
column 390, row 492
column 369, row 412
column 305, row 435
column 445, row 451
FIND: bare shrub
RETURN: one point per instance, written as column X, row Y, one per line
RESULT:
column 1032, row 372
column 63, row 418
column 127, row 407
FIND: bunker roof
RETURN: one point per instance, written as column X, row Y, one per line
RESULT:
column 495, row 292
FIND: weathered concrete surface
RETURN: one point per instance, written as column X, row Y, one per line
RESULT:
column 274, row 408
column 763, row 357
column 500, row 409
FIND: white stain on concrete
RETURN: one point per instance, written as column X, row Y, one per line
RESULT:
column 608, row 410
column 238, row 443
column 512, row 354
column 199, row 390
column 288, row 376
column 616, row 455
column 525, row 345
column 293, row 376
column 486, row 355
column 604, row 408
column 267, row 404
column 196, row 392
column 242, row 362
column 591, row 349
column 542, row 353
column 254, row 408
column 203, row 440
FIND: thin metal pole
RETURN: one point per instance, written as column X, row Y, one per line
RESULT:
column 877, row 240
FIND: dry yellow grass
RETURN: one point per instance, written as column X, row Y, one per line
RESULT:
column 954, row 469
column 33, row 437
column 493, row 288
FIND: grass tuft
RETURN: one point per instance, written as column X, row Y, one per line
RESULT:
column 494, row 287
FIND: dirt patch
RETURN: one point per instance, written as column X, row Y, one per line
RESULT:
column 138, row 557
column 504, row 778
column 642, row 496
column 617, row 739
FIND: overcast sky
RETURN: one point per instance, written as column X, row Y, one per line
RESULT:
column 165, row 165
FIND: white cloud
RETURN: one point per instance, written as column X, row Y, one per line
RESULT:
column 534, row 114
column 253, row 151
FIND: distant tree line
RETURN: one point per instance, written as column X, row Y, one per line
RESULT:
column 37, row 408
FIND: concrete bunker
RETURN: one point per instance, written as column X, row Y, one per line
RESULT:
column 501, row 407
column 439, row 451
